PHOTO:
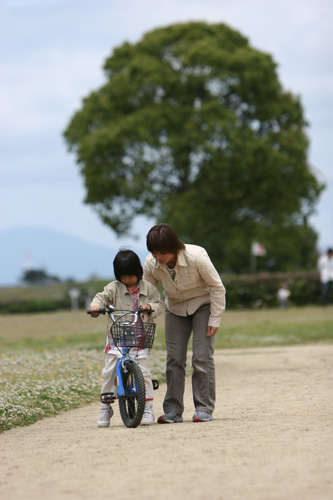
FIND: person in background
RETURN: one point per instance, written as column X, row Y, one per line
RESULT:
column 195, row 301
column 283, row 295
column 325, row 268
column 128, row 292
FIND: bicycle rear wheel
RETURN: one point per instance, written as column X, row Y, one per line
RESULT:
column 132, row 405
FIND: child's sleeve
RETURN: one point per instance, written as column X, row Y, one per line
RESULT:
column 104, row 298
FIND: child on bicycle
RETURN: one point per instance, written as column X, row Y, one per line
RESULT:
column 128, row 292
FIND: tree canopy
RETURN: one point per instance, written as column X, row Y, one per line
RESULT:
column 193, row 128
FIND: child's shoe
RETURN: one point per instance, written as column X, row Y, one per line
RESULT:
column 148, row 416
column 105, row 416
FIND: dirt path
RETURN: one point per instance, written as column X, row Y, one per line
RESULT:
column 271, row 439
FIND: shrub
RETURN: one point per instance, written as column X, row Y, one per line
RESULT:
column 255, row 291
column 243, row 292
column 30, row 307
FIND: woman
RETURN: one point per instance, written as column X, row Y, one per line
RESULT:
column 195, row 302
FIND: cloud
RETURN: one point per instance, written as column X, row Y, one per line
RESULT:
column 45, row 87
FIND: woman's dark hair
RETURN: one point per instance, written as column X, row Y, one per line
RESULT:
column 127, row 263
column 163, row 239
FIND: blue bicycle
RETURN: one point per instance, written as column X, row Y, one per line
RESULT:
column 129, row 334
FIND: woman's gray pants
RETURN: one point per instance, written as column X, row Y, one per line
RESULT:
column 178, row 330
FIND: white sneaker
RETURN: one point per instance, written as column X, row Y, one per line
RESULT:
column 105, row 416
column 148, row 418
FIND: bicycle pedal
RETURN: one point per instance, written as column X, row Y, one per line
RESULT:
column 108, row 397
column 156, row 384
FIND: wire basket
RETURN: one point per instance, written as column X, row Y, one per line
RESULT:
column 127, row 334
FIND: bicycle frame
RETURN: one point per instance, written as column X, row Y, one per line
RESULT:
column 126, row 357
column 121, row 367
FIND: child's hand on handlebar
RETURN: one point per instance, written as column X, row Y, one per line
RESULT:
column 94, row 314
column 146, row 306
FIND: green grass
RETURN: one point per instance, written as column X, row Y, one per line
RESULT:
column 271, row 334
column 38, row 384
column 275, row 327
column 51, row 362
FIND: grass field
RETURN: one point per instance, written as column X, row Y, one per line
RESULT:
column 53, row 361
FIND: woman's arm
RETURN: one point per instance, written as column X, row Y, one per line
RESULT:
column 148, row 270
column 216, row 290
column 155, row 302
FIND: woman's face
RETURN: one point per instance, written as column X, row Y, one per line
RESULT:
column 169, row 259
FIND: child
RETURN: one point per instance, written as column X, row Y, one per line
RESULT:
column 128, row 292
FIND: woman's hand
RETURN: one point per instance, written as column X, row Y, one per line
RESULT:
column 212, row 330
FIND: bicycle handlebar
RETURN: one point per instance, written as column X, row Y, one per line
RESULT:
column 111, row 310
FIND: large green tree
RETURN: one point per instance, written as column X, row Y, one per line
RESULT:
column 193, row 128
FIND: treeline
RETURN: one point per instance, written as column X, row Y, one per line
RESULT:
column 243, row 292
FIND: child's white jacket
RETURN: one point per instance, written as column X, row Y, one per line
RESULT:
column 117, row 295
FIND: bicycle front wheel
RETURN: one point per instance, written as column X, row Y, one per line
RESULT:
column 132, row 405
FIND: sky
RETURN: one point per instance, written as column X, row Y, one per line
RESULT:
column 51, row 57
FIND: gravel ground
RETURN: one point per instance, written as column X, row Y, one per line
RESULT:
column 271, row 439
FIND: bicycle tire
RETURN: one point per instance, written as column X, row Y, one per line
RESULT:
column 132, row 405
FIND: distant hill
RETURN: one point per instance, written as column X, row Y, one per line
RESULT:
column 57, row 253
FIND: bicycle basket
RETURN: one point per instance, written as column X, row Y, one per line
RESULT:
column 126, row 334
